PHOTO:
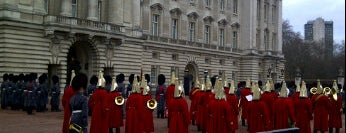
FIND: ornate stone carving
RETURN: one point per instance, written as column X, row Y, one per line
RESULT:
column 55, row 48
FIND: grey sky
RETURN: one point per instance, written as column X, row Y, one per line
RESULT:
column 298, row 12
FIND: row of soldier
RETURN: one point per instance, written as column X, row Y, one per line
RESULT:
column 24, row 92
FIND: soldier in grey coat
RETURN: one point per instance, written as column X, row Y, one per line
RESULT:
column 55, row 94
column 4, row 93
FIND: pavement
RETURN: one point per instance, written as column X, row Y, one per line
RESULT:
column 51, row 122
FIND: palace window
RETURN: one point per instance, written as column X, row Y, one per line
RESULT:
column 192, row 31
column 46, row 5
column 154, row 74
column 207, row 3
column 74, row 8
column 222, row 5
column 207, row 34
column 175, row 57
column 235, row 6
column 221, row 37
column 155, row 25
column 235, row 39
column 175, row 28
column 99, row 10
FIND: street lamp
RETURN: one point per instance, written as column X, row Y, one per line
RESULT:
column 298, row 77
column 269, row 72
column 282, row 73
column 341, row 77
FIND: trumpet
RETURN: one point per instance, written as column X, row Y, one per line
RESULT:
column 326, row 90
column 152, row 104
column 119, row 100
column 313, row 90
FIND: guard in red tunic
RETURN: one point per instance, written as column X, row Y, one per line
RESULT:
column 220, row 113
column 303, row 110
column 296, row 94
column 179, row 112
column 169, row 95
column 335, row 119
column 232, row 100
column 283, row 110
column 115, row 101
column 192, row 96
column 207, row 98
column 268, row 97
column 257, row 112
column 146, row 112
column 246, row 91
column 100, row 107
column 133, row 122
column 68, row 94
column 199, row 105
column 321, row 105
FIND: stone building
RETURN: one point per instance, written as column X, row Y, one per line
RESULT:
column 238, row 38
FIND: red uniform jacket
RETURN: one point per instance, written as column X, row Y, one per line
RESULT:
column 115, row 112
column 208, row 97
column 226, row 90
column 133, row 123
column 179, row 116
column 146, row 114
column 268, row 98
column 283, row 111
column 193, row 106
column 220, row 118
column 68, row 94
column 233, row 102
column 303, row 113
column 321, row 105
column 335, row 119
column 295, row 96
column 100, row 107
column 243, row 101
column 199, row 105
column 169, row 94
column 258, row 117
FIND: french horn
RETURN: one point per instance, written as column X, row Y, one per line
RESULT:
column 313, row 90
column 152, row 104
column 326, row 90
column 119, row 100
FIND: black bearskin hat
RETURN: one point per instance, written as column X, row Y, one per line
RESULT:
column 27, row 78
column 131, row 77
column 120, row 78
column 161, row 79
column 10, row 77
column 147, row 77
column 15, row 78
column 42, row 79
column 93, row 80
column 5, row 77
column 55, row 79
column 108, row 79
column 79, row 81
column 213, row 79
column 21, row 77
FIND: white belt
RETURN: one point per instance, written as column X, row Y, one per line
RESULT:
column 14, row 91
column 30, row 91
column 54, row 92
column 161, row 94
column 4, row 89
column 76, row 111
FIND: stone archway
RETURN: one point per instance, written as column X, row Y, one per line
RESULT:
column 82, row 58
column 190, row 74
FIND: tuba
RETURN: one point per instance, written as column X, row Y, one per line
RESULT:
column 152, row 104
column 326, row 90
column 313, row 90
column 119, row 100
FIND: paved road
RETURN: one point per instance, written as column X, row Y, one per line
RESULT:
column 51, row 122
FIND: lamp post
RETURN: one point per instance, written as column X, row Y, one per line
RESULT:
column 298, row 77
column 205, row 75
column 269, row 72
column 341, row 77
column 282, row 74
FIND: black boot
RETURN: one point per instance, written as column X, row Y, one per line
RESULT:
column 243, row 122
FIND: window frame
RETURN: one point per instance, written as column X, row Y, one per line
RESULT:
column 155, row 24
column 192, row 31
column 175, row 28
column 235, row 37
column 74, row 11
column 207, row 34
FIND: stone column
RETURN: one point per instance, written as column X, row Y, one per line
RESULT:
column 115, row 12
column 262, row 45
column 136, row 13
column 66, row 8
column 92, row 10
column 279, row 23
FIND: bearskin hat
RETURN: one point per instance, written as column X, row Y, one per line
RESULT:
column 108, row 79
column 5, row 77
column 79, row 81
column 26, row 77
column 131, row 77
column 93, row 80
column 45, row 76
column 161, row 79
column 41, row 79
column 15, row 78
column 147, row 77
column 120, row 78
column 10, row 77
column 213, row 79
column 21, row 77
column 55, row 79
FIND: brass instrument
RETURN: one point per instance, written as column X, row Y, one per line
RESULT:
column 313, row 90
column 152, row 104
column 75, row 128
column 326, row 90
column 119, row 100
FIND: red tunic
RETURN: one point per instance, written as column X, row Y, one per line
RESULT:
column 193, row 106
column 115, row 112
column 100, row 107
column 199, row 105
column 295, row 96
column 132, row 123
column 208, row 97
column 303, row 113
column 146, row 114
column 321, row 105
column 283, row 111
column 268, row 98
column 258, row 117
column 68, row 94
column 233, row 102
column 179, row 116
column 169, row 94
column 226, row 90
column 335, row 119
column 220, row 118
column 243, row 101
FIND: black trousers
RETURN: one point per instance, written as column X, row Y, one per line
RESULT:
column 337, row 130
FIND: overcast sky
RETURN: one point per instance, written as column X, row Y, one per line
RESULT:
column 298, row 12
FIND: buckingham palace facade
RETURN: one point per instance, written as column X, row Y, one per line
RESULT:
column 241, row 39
